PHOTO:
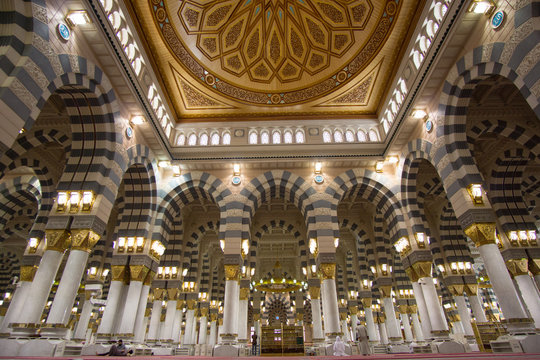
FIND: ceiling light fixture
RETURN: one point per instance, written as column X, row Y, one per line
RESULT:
column 419, row 114
column 482, row 7
column 78, row 17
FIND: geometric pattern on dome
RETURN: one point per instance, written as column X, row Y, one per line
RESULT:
column 273, row 52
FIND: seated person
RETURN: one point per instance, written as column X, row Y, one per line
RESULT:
column 339, row 347
column 118, row 349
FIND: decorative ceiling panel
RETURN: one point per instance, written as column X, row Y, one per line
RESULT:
column 274, row 57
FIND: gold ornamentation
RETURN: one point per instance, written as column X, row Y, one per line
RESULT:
column 315, row 292
column 204, row 311
column 138, row 272
column 83, row 239
column 213, row 317
column 404, row 309
column 342, row 316
column 353, row 310
column 257, row 317
column 232, row 272
column 422, row 269
column 517, row 267
column 385, row 290
column 471, row 289
column 172, row 294
column 456, row 289
column 366, row 302
column 481, row 233
column 328, row 271
column 191, row 304
column 413, row 309
column 180, row 304
column 534, row 266
column 118, row 272
column 412, row 274
column 244, row 293
column 28, row 273
column 159, row 294
column 149, row 277
column 58, row 240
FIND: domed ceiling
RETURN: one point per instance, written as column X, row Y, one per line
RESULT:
column 274, row 58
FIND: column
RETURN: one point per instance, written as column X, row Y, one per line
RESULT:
column 457, row 326
column 177, row 324
column 392, row 325
column 329, row 299
column 86, row 314
column 345, row 328
column 422, row 309
column 129, row 315
column 439, row 327
column 243, row 314
column 140, row 328
column 315, row 293
column 382, row 333
column 404, row 316
column 189, row 339
column 483, row 235
column 418, row 334
column 57, row 242
column 464, row 314
column 14, row 312
column 118, row 274
column 230, row 304
column 170, row 314
column 83, row 240
column 155, row 317
column 213, row 330
column 353, row 310
column 519, row 270
column 477, row 308
column 370, row 323
column 121, row 306
column 203, row 326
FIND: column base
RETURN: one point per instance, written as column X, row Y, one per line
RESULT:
column 398, row 348
column 516, row 343
column 447, row 347
column 24, row 329
column 519, row 326
column 228, row 339
column 32, row 347
column 226, row 350
column 318, row 340
column 54, row 331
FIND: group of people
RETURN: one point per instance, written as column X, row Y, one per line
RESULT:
column 361, row 338
column 118, row 349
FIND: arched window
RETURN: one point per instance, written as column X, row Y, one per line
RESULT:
column 253, row 138
column 326, row 137
column 214, row 140
column 265, row 137
column 373, row 136
column 299, row 137
column 226, row 138
column 361, row 136
column 349, row 136
column 181, row 140
column 192, row 140
column 338, row 136
column 385, row 125
column 203, row 140
column 287, row 137
column 276, row 137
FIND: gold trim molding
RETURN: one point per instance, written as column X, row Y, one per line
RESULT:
column 481, row 233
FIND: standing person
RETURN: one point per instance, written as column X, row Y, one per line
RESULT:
column 254, row 344
column 362, row 339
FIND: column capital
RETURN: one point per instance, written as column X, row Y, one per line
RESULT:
column 83, row 239
column 118, row 272
column 412, row 309
column 213, row 317
column 159, row 294
column 179, row 304
column 191, row 304
column 517, row 267
column 386, row 290
column 257, row 316
column 328, row 270
column 403, row 309
column 244, row 293
column 481, row 233
column 172, row 294
column 58, row 239
column 138, row 272
column 232, row 272
column 353, row 310
column 366, row 302
column 149, row 277
column 456, row 289
column 315, row 292
column 534, row 266
column 28, row 273
column 471, row 289
column 419, row 270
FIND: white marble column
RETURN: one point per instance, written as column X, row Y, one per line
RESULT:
column 41, row 287
column 354, row 322
column 477, row 308
column 140, row 328
column 331, row 311
column 213, row 333
column 317, row 319
column 345, row 330
column 155, row 318
column 372, row 332
column 382, row 333
column 422, row 309
column 230, row 310
column 14, row 311
column 406, row 327
column 464, row 314
column 392, row 325
column 418, row 334
column 502, row 283
column 188, row 335
column 107, row 320
column 194, row 330
column 86, row 314
column 129, row 315
column 170, row 314
column 203, row 327
column 242, row 321
column 177, row 324
column 68, row 287
column 530, row 296
column 434, row 308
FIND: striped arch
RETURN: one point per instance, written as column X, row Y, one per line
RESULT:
column 277, row 224
column 401, row 280
column 531, row 193
column 363, row 183
column 511, row 60
column 453, row 243
column 363, row 246
column 139, row 193
column 193, row 248
column 180, row 192
column 272, row 184
column 20, row 223
column 277, row 303
column 10, row 264
column 417, row 151
column 505, row 191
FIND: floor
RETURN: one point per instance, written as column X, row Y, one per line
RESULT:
column 465, row 356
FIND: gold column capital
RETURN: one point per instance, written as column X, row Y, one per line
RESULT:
column 471, row 289
column 412, row 274
column 244, row 293
column 84, row 239
column 232, row 272
column 403, row 309
column 159, row 294
column 28, row 272
column 517, row 267
column 138, row 272
column 315, row 292
column 534, row 266
column 204, row 311
column 213, row 317
column 422, row 269
column 481, row 233
column 180, row 304
column 366, row 302
column 149, row 277
column 328, row 271
column 172, row 294
column 342, row 316
column 118, row 272
column 353, row 310
column 191, row 304
column 58, row 239
column 386, row 290
column 413, row 309
column 456, row 289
